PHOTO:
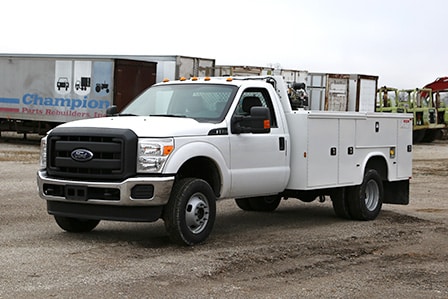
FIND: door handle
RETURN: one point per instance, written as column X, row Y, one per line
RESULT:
column 281, row 143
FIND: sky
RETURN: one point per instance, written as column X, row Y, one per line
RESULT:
column 402, row 42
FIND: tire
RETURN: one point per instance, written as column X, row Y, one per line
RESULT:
column 340, row 204
column 75, row 225
column 243, row 204
column 365, row 200
column 190, row 213
column 265, row 203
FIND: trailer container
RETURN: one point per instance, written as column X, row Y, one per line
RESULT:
column 293, row 76
column 173, row 67
column 341, row 92
column 243, row 70
column 38, row 92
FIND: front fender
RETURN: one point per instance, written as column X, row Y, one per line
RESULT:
column 217, row 152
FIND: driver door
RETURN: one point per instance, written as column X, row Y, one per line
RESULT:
column 258, row 162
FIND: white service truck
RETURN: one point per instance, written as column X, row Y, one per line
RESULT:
column 182, row 145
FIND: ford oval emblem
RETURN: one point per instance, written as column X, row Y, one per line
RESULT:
column 81, row 155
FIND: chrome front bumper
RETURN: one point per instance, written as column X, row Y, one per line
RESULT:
column 161, row 189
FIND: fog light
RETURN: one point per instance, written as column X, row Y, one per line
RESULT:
column 142, row 192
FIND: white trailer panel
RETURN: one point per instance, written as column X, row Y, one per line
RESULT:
column 54, row 89
column 367, row 96
column 173, row 67
column 242, row 70
column 293, row 76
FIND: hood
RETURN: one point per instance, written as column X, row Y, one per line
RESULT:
column 148, row 126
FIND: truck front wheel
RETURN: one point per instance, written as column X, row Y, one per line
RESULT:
column 190, row 213
column 74, row 225
column 365, row 200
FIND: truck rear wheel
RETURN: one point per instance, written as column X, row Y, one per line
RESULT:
column 75, row 225
column 190, row 213
column 340, row 203
column 365, row 200
column 243, row 204
column 259, row 204
column 265, row 203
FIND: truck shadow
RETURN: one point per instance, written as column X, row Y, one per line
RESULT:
column 234, row 225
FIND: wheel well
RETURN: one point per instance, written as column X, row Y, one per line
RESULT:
column 203, row 168
column 379, row 164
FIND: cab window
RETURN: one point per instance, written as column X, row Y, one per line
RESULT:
column 256, row 97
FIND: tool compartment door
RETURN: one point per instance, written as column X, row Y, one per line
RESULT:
column 348, row 170
column 404, row 148
column 323, row 135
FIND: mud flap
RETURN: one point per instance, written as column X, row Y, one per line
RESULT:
column 396, row 192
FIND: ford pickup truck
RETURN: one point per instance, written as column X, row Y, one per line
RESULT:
column 182, row 145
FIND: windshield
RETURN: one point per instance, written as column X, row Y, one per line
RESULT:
column 203, row 102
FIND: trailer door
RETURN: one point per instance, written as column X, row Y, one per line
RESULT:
column 131, row 78
column 336, row 98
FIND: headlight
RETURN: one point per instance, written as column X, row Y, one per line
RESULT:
column 153, row 153
column 43, row 153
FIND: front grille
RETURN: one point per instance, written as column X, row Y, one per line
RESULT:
column 114, row 152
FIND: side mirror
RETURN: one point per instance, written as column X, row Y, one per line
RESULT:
column 111, row 111
column 259, row 121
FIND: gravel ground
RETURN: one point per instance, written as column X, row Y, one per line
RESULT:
column 300, row 250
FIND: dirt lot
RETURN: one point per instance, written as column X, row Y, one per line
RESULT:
column 300, row 250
